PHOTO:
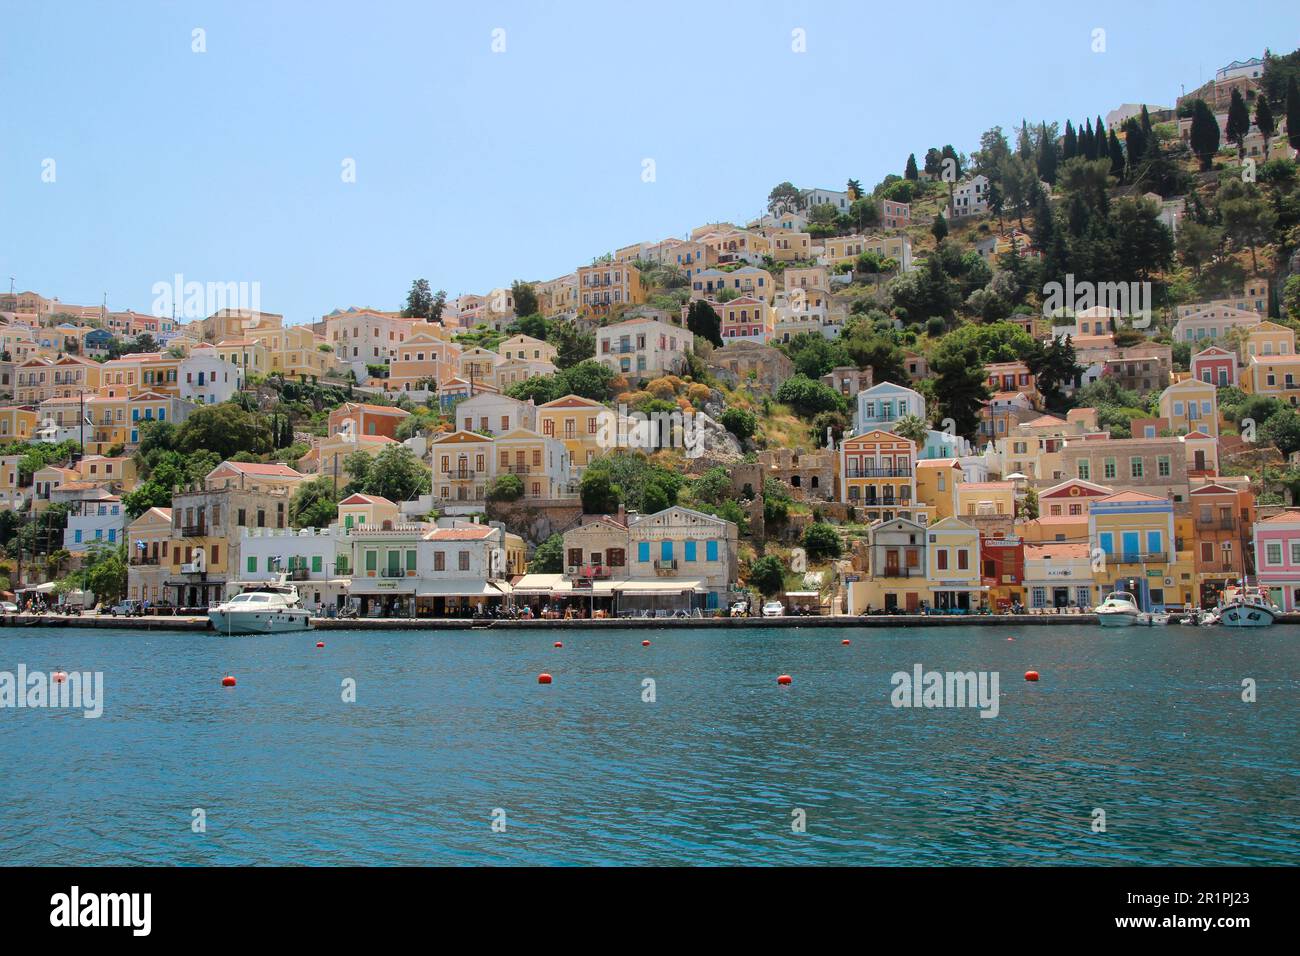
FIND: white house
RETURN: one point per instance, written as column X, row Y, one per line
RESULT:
column 94, row 521
column 970, row 198
column 1213, row 323
column 495, row 414
column 643, row 348
column 207, row 380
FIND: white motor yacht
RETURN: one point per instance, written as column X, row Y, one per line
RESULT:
column 262, row 609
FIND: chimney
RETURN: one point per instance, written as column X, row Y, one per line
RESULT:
column 622, row 514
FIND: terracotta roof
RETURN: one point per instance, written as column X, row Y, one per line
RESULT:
column 1132, row 496
column 459, row 534
column 359, row 499
column 259, row 468
column 1058, row 549
column 1282, row 517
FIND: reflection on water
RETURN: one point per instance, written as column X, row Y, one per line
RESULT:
column 449, row 727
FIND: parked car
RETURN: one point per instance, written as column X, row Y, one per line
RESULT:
column 740, row 609
column 127, row 609
column 8, row 607
column 773, row 609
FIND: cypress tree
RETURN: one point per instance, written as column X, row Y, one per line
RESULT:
column 1070, row 145
column 910, row 172
column 1264, row 121
column 1085, row 141
column 1116, row 157
column 1293, row 113
column 1205, row 134
column 1046, row 157
column 1238, row 123
column 1101, row 148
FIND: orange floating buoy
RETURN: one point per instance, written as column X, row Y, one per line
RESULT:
column 846, row 642
column 1031, row 675
column 227, row 681
column 543, row 678
column 320, row 643
column 59, row 677
column 1010, row 638
column 784, row 680
column 559, row 643
column 645, row 643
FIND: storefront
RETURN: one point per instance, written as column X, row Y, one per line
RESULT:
column 376, row 597
column 658, row 598
column 459, row 599
column 958, row 599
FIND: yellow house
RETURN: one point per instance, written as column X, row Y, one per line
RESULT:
column 603, row 286
column 367, row 511
column 330, row 455
column 148, row 540
column 789, row 246
column 953, row 568
column 1191, row 405
column 846, row 249
column 17, row 423
column 525, row 348
column 575, row 421
column 101, row 470
column 11, row 495
column 541, row 463
column 423, row 361
column 462, row 469
column 249, row 354
column 876, row 473
column 1267, row 340
column 294, row 350
column 937, row 480
column 40, row 379
column 984, row 498
column 1278, row 377
column 1134, row 542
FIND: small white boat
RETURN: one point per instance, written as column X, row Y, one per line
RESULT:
column 1120, row 609
column 1246, row 607
column 262, row 609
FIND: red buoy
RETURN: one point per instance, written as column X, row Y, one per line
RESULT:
column 1031, row 675
column 1010, row 638
column 59, row 677
column 320, row 643
column 846, row 642
column 543, row 678
column 227, row 681
column 559, row 643
column 784, row 680
column 645, row 643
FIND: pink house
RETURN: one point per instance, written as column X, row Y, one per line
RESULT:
column 1215, row 365
column 1277, row 558
column 895, row 215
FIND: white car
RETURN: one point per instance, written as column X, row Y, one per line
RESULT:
column 773, row 609
column 740, row 609
column 8, row 607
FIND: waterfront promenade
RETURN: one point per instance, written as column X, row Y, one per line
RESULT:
column 461, row 624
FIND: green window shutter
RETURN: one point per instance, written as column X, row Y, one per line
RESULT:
column 372, row 560
column 410, row 560
column 316, row 563
column 252, row 565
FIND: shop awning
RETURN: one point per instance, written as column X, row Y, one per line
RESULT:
column 657, row 588
column 540, row 585
column 457, row 589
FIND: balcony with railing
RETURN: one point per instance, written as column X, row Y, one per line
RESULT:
column 143, row 560
column 1216, row 524
column 459, row 474
column 194, row 530
column 394, row 573
column 872, row 471
column 666, row 566
column 1140, row 557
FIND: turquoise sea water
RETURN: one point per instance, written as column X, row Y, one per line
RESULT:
column 449, row 727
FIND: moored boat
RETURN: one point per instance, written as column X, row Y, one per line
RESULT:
column 1246, row 607
column 1120, row 609
column 262, row 609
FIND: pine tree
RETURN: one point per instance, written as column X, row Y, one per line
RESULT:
column 1070, row 145
column 1238, row 123
column 910, row 172
column 1264, row 121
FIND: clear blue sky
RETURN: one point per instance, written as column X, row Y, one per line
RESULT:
column 475, row 168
